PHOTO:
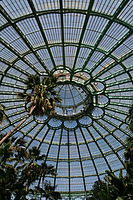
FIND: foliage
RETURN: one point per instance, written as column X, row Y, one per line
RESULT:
column 2, row 114
column 40, row 98
column 20, row 172
column 41, row 94
column 100, row 191
column 130, row 118
column 116, row 188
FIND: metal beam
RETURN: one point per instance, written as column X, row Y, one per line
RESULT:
column 82, row 34
column 41, row 30
column 62, row 32
column 7, row 17
column 124, row 2
column 68, row 10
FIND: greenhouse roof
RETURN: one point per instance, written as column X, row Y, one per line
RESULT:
column 88, row 45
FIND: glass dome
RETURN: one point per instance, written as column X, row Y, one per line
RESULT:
column 88, row 45
column 76, row 99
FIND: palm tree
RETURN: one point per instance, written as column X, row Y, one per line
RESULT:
column 114, row 187
column 40, row 98
column 20, row 169
column 2, row 114
column 130, row 118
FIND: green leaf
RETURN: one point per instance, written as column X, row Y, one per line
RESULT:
column 119, row 198
column 2, row 114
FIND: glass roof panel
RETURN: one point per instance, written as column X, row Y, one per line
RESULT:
column 16, row 8
column 46, row 5
column 88, row 45
column 106, row 6
column 126, row 13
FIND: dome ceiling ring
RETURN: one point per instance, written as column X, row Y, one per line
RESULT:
column 89, row 42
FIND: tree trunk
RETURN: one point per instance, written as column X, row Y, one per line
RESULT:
column 16, row 127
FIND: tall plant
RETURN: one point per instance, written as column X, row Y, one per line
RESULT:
column 130, row 118
column 2, row 113
column 114, row 187
column 40, row 97
column 20, row 170
column 118, row 188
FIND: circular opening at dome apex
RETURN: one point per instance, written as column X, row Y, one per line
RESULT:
column 76, row 100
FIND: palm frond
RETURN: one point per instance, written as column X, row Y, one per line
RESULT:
column 130, row 118
column 47, row 81
column 50, row 81
column 21, row 95
column 42, row 96
column 53, row 79
column 1, row 116
column 2, row 107
column 57, row 99
column 20, row 142
column 25, row 96
column 32, row 81
column 2, row 113
column 20, row 180
column 34, row 151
